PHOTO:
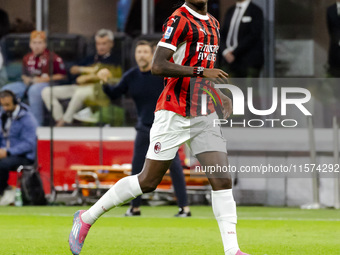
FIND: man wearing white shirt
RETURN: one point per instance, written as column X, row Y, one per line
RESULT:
column 241, row 40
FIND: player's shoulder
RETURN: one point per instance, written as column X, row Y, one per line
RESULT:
column 214, row 20
column 181, row 13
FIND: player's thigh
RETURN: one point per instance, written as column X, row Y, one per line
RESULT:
column 206, row 136
column 152, row 174
column 169, row 131
column 218, row 175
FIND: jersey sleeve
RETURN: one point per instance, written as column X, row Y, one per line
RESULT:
column 175, row 29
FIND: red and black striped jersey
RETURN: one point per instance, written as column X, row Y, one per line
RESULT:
column 194, row 38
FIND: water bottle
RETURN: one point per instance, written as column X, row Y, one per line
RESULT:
column 18, row 197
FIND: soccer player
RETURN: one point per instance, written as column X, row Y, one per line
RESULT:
column 145, row 88
column 186, row 51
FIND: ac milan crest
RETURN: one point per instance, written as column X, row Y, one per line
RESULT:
column 157, row 147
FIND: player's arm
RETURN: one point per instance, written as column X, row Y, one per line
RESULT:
column 226, row 103
column 162, row 66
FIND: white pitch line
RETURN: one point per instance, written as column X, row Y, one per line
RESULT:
column 165, row 217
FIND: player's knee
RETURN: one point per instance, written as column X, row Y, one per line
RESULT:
column 148, row 185
column 227, row 183
column 221, row 183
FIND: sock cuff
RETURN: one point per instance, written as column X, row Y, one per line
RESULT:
column 228, row 218
column 222, row 193
column 134, row 184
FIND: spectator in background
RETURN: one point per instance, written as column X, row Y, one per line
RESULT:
column 4, row 23
column 86, row 80
column 241, row 40
column 35, row 74
column 17, row 141
column 333, row 23
column 145, row 89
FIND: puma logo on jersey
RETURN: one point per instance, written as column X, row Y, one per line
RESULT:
column 203, row 31
column 174, row 19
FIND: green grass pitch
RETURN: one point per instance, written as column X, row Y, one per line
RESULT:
column 261, row 230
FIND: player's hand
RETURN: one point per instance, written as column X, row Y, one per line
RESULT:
column 104, row 74
column 216, row 75
column 227, row 106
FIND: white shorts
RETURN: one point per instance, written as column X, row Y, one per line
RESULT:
column 170, row 130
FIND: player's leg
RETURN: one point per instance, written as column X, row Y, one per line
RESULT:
column 210, row 148
column 140, row 149
column 122, row 192
column 223, row 203
column 128, row 188
column 178, row 182
column 162, row 149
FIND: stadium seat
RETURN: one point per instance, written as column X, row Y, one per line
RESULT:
column 14, row 48
column 70, row 47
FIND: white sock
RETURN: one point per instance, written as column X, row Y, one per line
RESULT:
column 224, row 208
column 122, row 192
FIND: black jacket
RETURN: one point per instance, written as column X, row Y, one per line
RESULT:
column 249, row 52
column 333, row 23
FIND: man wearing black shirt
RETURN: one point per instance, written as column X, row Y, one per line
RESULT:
column 144, row 88
column 333, row 24
column 241, row 40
